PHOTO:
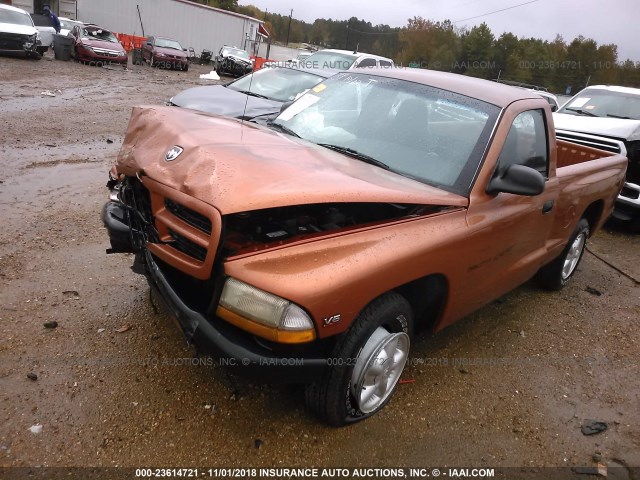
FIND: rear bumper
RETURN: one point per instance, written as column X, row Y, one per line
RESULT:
column 239, row 351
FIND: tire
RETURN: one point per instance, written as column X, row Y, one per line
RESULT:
column 557, row 274
column 185, row 68
column 35, row 55
column 339, row 398
column 634, row 224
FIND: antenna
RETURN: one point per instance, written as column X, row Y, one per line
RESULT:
column 244, row 112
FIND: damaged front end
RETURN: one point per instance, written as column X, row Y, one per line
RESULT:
column 19, row 42
column 182, row 245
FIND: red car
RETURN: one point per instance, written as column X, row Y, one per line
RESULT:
column 166, row 53
column 97, row 46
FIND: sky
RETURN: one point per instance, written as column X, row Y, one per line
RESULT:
column 606, row 21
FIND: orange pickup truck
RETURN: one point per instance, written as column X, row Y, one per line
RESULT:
column 380, row 202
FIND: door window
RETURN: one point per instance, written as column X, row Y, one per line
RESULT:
column 526, row 143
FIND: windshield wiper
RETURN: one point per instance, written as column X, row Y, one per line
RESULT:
column 579, row 111
column 355, row 154
column 253, row 94
column 619, row 116
column 284, row 129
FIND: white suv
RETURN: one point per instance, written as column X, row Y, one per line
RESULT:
column 344, row 60
column 17, row 32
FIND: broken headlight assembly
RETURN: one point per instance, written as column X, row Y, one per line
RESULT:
column 31, row 41
column 264, row 314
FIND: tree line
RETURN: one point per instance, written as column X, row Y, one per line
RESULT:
column 560, row 66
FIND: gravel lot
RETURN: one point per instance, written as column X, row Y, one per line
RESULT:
column 509, row 386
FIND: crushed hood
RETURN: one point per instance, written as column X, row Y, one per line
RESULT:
column 619, row 128
column 225, row 101
column 237, row 58
column 242, row 167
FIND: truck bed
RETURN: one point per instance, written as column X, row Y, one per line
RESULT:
column 570, row 153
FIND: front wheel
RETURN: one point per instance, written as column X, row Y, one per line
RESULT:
column 366, row 364
column 556, row 275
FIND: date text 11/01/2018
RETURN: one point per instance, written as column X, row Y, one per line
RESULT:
column 566, row 65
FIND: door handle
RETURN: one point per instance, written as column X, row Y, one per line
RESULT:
column 547, row 207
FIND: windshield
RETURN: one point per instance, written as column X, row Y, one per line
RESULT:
column 15, row 18
column 99, row 34
column 281, row 84
column 236, row 52
column 604, row 103
column 425, row 133
column 164, row 43
column 337, row 61
column 68, row 25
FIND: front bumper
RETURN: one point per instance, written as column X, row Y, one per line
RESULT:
column 230, row 346
column 628, row 203
column 168, row 62
column 237, row 68
column 85, row 55
column 10, row 42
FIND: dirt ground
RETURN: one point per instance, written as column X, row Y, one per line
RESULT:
column 509, row 386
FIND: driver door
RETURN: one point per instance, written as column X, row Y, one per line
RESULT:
column 508, row 232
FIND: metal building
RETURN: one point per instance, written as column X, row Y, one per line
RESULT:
column 192, row 24
column 62, row 8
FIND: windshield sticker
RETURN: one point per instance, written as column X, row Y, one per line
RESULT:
column 579, row 102
column 319, row 88
column 301, row 104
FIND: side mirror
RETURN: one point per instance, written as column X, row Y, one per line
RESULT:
column 554, row 108
column 185, row 50
column 519, row 180
column 150, row 44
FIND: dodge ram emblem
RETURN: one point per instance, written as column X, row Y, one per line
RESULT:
column 172, row 154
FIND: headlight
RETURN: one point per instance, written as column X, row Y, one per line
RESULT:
column 264, row 314
column 161, row 54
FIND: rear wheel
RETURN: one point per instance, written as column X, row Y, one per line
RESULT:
column 556, row 274
column 35, row 55
column 366, row 364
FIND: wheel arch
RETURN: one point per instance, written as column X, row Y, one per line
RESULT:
column 593, row 215
column 428, row 297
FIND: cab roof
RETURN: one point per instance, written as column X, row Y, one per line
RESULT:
column 494, row 93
